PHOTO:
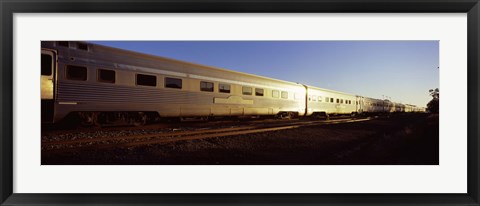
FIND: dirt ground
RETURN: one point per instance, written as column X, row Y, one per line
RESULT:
column 403, row 139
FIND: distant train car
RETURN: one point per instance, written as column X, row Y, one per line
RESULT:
column 409, row 108
column 399, row 107
column 371, row 105
column 102, row 85
column 324, row 102
column 105, row 85
column 419, row 109
column 389, row 106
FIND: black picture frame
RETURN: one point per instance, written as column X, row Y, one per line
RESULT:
column 9, row 7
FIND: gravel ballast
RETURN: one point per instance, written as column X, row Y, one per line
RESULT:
column 402, row 139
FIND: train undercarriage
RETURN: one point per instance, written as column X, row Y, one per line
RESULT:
column 139, row 118
column 116, row 118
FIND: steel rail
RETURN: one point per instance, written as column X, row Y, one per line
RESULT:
column 183, row 136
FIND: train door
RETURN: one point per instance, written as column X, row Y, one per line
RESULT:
column 47, row 83
column 359, row 104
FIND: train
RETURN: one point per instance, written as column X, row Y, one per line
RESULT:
column 102, row 85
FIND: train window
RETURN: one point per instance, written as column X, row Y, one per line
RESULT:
column 341, row 101
column 314, row 98
column 107, row 76
column 224, row 88
column 246, row 90
column 46, row 62
column 284, row 95
column 173, row 83
column 76, row 73
column 275, row 93
column 258, row 92
column 331, row 100
column 82, row 46
column 206, row 86
column 146, row 80
column 327, row 99
column 338, row 101
column 319, row 99
column 63, row 43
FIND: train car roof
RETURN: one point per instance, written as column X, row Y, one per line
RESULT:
column 155, row 57
column 329, row 90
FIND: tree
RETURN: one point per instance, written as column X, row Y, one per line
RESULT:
column 433, row 105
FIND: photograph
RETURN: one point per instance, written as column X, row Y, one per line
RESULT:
column 240, row 102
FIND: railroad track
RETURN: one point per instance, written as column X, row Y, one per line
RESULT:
column 166, row 137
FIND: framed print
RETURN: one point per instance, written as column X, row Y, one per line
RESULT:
column 239, row 102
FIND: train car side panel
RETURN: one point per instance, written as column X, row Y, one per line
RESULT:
column 89, row 81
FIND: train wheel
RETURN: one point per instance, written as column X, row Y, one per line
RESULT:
column 87, row 118
column 286, row 115
column 138, row 119
column 100, row 118
column 353, row 115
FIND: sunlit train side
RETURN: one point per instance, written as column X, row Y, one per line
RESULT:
column 399, row 107
column 371, row 105
column 104, row 85
column 324, row 102
column 389, row 106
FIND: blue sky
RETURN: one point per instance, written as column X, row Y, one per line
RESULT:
column 401, row 70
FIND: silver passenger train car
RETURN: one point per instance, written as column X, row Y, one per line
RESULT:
column 104, row 85
column 324, row 102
